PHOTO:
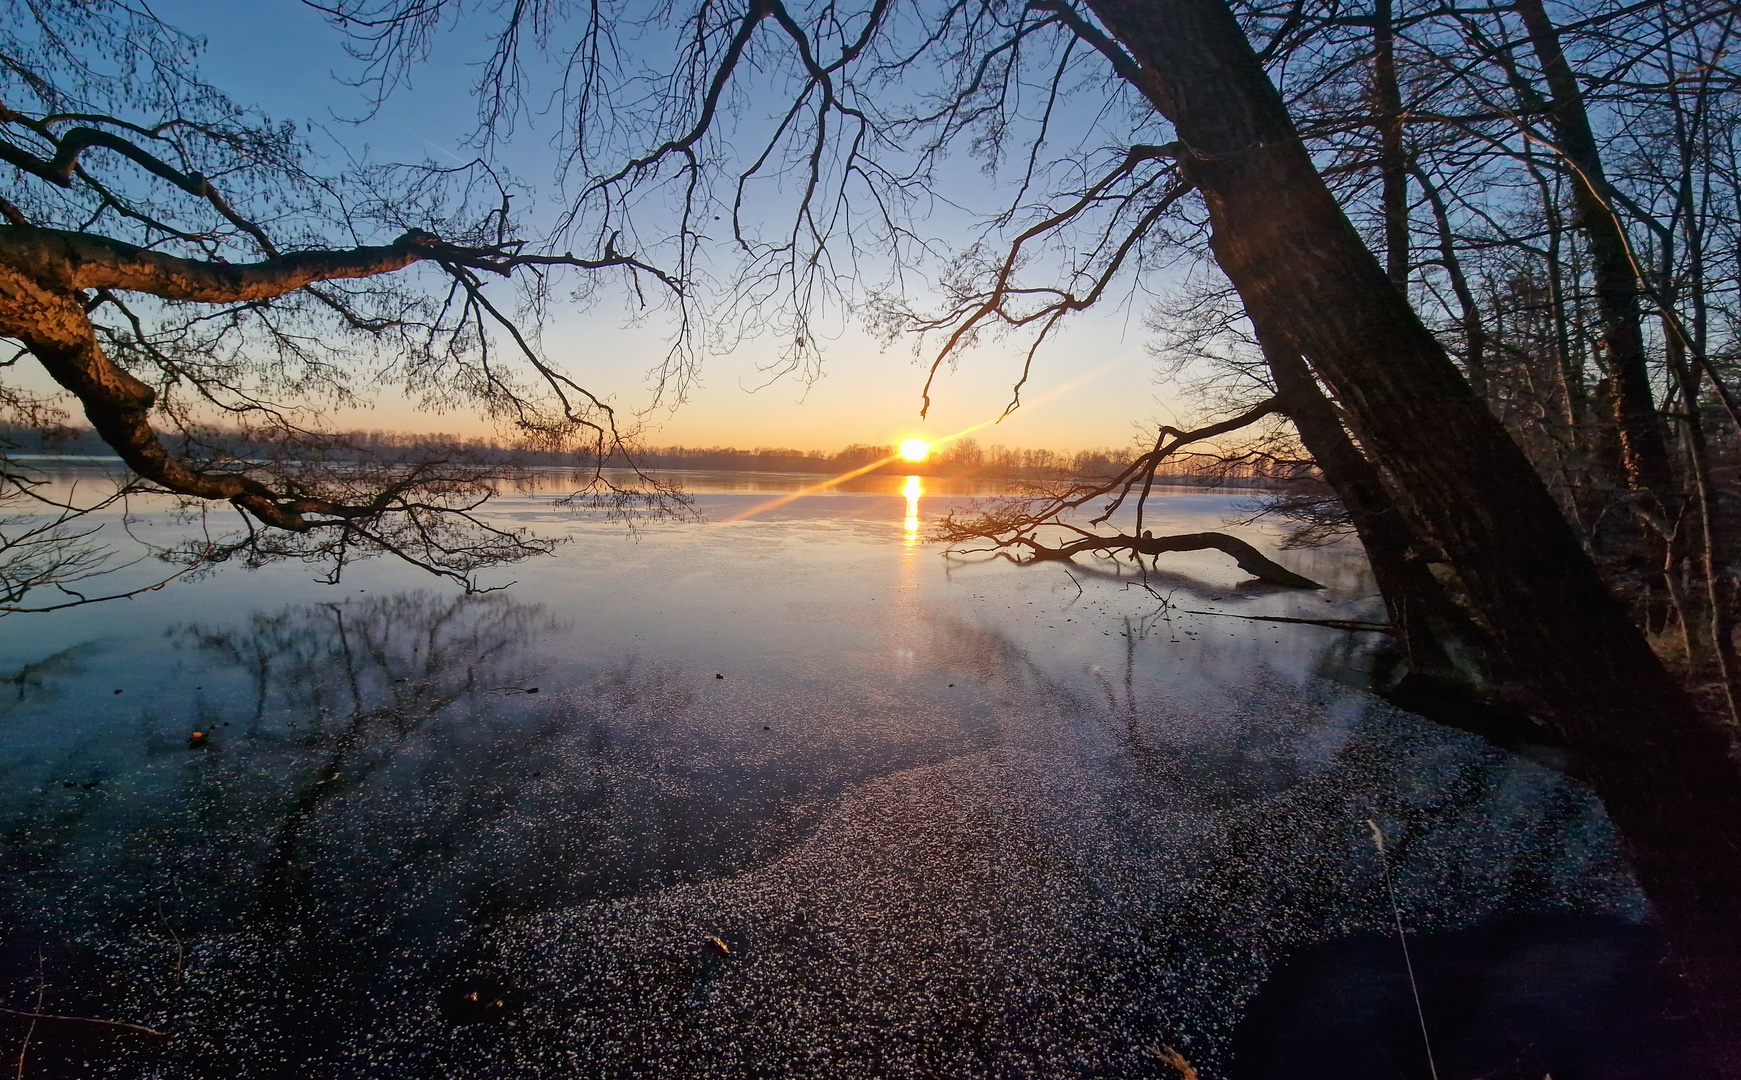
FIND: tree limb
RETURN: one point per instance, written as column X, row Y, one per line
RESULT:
column 70, row 261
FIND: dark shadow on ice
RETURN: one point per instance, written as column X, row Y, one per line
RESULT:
column 1574, row 996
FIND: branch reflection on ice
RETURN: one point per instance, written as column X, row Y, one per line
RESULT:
column 1003, row 856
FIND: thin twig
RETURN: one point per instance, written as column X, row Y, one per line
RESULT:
column 1074, row 582
column 173, row 936
column 1176, row 1060
column 35, row 1016
column 15, row 609
column 1354, row 625
column 41, row 988
column 1408, row 964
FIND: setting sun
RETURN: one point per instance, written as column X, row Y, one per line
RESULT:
column 915, row 449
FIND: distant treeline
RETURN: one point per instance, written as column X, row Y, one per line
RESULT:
column 963, row 457
column 960, row 458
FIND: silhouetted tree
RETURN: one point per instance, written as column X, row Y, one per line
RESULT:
column 172, row 260
column 1125, row 128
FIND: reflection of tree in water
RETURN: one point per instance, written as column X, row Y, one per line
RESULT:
column 249, row 876
column 362, row 678
column 384, row 659
column 404, row 747
column 42, row 679
column 1227, row 818
column 334, row 874
column 1238, row 739
column 374, row 798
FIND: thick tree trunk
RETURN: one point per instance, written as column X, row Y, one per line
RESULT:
column 1664, row 773
column 1445, row 667
column 1616, row 278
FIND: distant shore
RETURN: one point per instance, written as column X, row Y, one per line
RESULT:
column 962, row 459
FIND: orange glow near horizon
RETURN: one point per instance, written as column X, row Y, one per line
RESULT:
column 914, row 487
column 915, row 449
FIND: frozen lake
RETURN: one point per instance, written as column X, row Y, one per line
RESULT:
column 794, row 795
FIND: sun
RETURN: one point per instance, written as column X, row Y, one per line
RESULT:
column 915, row 449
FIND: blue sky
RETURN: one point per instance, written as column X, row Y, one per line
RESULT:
column 280, row 56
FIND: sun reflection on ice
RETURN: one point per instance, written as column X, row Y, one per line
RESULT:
column 913, row 490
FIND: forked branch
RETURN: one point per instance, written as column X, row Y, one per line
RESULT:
column 1026, row 547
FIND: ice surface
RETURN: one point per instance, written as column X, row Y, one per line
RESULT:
column 945, row 820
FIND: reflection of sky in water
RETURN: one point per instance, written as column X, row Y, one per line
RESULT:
column 950, row 818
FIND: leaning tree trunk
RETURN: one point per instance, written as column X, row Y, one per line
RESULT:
column 1445, row 667
column 1663, row 771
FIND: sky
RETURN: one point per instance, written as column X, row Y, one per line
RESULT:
column 1092, row 386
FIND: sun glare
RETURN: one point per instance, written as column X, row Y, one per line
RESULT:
column 915, row 449
column 914, row 490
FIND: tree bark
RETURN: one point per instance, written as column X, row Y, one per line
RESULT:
column 1446, row 668
column 43, row 276
column 1664, row 772
column 69, row 261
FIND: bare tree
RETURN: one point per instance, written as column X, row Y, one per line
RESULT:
column 1131, row 135
column 172, row 263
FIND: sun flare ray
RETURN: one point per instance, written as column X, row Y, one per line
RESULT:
column 901, row 454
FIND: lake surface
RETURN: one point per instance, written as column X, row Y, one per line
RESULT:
column 785, row 793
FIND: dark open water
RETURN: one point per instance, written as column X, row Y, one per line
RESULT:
column 947, row 821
